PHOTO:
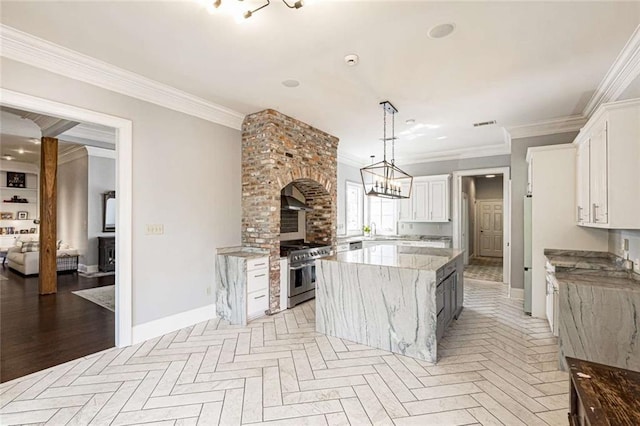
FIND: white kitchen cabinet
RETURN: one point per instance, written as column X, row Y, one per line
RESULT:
column 406, row 210
column 242, row 284
column 257, row 287
column 420, row 200
column 610, row 139
column 583, row 166
column 429, row 202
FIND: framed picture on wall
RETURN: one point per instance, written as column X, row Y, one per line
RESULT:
column 23, row 215
column 16, row 180
column 6, row 215
column 32, row 230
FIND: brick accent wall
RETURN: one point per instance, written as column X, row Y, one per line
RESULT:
column 278, row 150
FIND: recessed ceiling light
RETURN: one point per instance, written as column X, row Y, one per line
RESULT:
column 410, row 121
column 441, row 137
column 7, row 157
column 490, row 176
column 352, row 60
column 291, row 83
column 442, row 30
column 21, row 151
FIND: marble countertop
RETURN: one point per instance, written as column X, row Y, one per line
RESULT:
column 423, row 258
column 593, row 268
column 342, row 240
column 572, row 259
column 244, row 252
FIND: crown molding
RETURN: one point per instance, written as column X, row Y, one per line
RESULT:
column 93, row 151
column 572, row 123
column 31, row 50
column 623, row 71
column 72, row 155
column 92, row 132
column 459, row 154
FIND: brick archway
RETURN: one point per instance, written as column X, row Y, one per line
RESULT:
column 278, row 150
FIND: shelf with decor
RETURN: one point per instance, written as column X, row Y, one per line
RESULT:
column 17, row 217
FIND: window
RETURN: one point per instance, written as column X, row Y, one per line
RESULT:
column 382, row 216
column 354, row 198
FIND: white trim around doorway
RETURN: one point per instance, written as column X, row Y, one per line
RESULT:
column 506, row 191
column 123, row 332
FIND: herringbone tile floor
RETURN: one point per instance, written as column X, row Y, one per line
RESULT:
column 497, row 367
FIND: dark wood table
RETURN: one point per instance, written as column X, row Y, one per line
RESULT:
column 603, row 395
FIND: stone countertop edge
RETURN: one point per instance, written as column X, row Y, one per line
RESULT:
column 592, row 268
column 566, row 260
column 343, row 240
column 244, row 252
column 450, row 254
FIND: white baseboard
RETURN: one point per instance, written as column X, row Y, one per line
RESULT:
column 89, row 269
column 161, row 326
column 516, row 293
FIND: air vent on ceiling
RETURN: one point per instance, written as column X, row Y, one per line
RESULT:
column 484, row 123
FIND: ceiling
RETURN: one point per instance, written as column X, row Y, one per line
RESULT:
column 21, row 132
column 513, row 62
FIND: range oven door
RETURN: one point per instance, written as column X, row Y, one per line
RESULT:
column 302, row 278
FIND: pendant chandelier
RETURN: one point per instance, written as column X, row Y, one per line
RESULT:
column 384, row 179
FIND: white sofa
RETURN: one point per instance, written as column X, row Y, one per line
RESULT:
column 29, row 263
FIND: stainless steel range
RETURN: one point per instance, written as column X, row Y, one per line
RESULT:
column 302, row 268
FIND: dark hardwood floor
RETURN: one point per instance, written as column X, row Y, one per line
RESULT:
column 38, row 332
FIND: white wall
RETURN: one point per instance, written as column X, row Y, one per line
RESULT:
column 616, row 238
column 186, row 176
column 345, row 173
column 72, row 203
column 101, row 178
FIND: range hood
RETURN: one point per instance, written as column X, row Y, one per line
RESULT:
column 289, row 202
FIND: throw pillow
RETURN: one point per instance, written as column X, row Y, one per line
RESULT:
column 30, row 246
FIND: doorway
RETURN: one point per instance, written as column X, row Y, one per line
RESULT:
column 481, row 222
column 123, row 187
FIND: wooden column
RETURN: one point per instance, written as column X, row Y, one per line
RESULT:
column 48, row 215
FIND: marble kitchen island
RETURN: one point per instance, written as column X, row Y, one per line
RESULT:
column 395, row 298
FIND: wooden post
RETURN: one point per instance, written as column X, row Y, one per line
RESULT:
column 48, row 215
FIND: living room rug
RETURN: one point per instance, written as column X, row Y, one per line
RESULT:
column 104, row 296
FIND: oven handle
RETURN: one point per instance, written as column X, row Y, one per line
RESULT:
column 304, row 265
column 296, row 268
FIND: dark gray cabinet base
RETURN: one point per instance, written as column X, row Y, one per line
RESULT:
column 106, row 254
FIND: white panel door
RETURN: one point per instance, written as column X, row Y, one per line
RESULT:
column 420, row 201
column 598, row 173
column 438, row 211
column 491, row 232
column 582, row 182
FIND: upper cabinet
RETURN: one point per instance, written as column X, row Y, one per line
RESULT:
column 608, row 168
column 429, row 202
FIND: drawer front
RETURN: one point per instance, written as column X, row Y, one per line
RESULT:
column 257, row 303
column 261, row 262
column 257, row 280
